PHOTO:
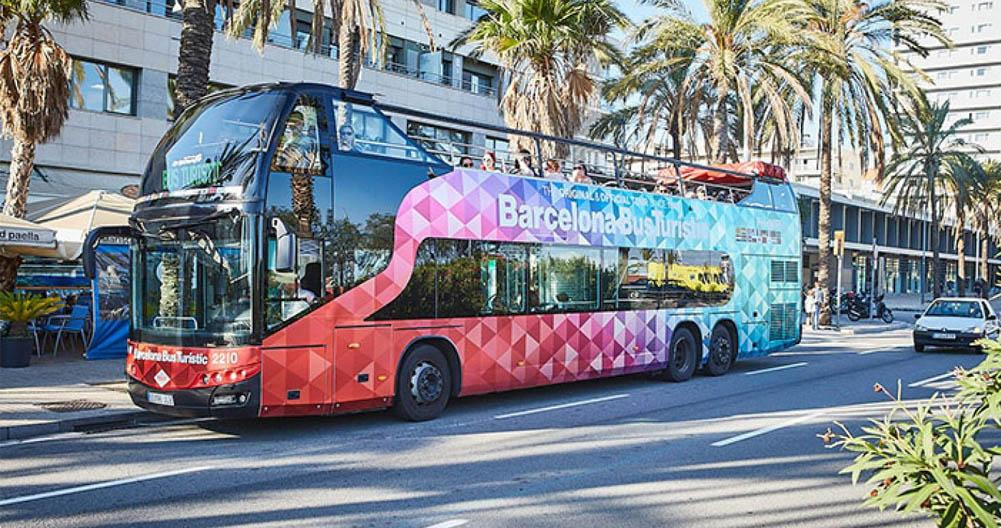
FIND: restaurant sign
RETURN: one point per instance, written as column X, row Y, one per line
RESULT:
column 26, row 236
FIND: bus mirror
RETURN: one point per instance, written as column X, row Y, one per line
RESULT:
column 285, row 247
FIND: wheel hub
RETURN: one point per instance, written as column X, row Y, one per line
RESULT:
column 426, row 383
column 721, row 350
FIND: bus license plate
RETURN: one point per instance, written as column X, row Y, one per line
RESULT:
column 943, row 336
column 160, row 399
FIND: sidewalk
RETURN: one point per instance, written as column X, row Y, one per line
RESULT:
column 863, row 326
column 61, row 395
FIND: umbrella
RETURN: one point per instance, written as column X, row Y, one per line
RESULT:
column 74, row 218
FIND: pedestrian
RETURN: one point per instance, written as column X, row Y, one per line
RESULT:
column 821, row 297
column 810, row 304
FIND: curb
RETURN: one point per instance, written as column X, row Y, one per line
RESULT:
column 110, row 418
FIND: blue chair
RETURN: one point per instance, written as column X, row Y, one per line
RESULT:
column 75, row 323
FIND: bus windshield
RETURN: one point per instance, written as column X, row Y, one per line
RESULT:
column 216, row 144
column 194, row 283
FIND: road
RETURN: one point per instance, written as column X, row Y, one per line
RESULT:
column 738, row 450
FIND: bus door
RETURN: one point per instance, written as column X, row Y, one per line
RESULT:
column 754, row 298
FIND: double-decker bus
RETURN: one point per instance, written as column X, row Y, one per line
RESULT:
column 295, row 253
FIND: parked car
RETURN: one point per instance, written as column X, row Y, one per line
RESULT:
column 955, row 322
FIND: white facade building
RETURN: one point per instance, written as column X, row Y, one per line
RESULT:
column 968, row 76
column 127, row 57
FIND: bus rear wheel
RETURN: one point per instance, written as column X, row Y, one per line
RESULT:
column 721, row 352
column 423, row 385
column 683, row 356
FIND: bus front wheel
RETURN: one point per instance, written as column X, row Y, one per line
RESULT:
column 423, row 385
column 683, row 356
column 721, row 352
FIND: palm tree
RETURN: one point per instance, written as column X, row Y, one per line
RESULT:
column 34, row 94
column 743, row 55
column 194, row 53
column 916, row 175
column 649, row 103
column 859, row 75
column 987, row 212
column 359, row 25
column 548, row 49
column 962, row 179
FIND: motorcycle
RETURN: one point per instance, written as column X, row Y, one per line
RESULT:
column 860, row 308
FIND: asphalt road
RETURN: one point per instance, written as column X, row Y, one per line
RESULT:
column 738, row 450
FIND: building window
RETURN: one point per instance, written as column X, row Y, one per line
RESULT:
column 983, row 114
column 980, row 93
column 447, row 6
column 985, row 6
column 981, row 28
column 101, row 87
column 980, row 50
column 981, row 137
column 474, row 11
column 953, row 10
column 978, row 72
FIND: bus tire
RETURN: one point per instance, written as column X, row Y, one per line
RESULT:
column 423, row 384
column 721, row 351
column 682, row 355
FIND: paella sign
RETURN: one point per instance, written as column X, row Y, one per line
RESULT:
column 27, row 236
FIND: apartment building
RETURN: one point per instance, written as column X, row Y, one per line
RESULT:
column 126, row 59
column 968, row 75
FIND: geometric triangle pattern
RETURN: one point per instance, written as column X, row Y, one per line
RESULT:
column 506, row 352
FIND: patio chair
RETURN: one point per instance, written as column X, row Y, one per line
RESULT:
column 75, row 323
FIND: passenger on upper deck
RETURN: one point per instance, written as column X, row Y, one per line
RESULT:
column 523, row 164
column 489, row 161
column 579, row 174
column 466, row 162
column 552, row 170
column 346, row 137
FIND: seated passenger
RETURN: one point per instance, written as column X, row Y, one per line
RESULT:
column 346, row 137
column 579, row 174
column 552, row 170
column 489, row 161
column 701, row 193
column 466, row 162
column 523, row 164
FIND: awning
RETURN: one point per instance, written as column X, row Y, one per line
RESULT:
column 759, row 168
column 17, row 235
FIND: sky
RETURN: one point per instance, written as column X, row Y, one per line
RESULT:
column 638, row 11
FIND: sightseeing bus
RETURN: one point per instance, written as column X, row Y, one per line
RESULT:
column 295, row 253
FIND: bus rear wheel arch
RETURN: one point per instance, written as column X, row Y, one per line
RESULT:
column 722, row 349
column 424, row 383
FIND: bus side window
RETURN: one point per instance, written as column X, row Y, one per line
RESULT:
column 642, row 275
column 503, row 273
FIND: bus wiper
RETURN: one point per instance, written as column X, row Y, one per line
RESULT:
column 188, row 223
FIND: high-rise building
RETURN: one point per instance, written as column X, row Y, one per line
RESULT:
column 968, row 75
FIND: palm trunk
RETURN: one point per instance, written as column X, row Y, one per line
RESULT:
column 720, row 144
column 195, row 53
column 936, row 261
column 348, row 56
column 22, row 161
column 748, row 133
column 676, row 136
column 985, row 246
column 824, row 231
column 960, row 251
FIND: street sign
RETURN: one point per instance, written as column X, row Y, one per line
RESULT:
column 839, row 242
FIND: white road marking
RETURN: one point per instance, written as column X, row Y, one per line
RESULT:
column 101, row 485
column 560, row 406
column 38, row 439
column 780, row 367
column 766, row 430
column 929, row 380
column 449, row 524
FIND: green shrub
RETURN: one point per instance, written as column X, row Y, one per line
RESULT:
column 928, row 459
column 21, row 308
